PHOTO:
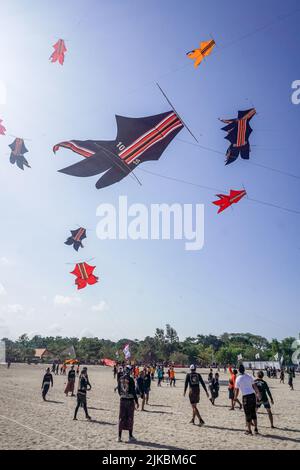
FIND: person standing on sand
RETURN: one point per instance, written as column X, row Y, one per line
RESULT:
column 160, row 376
column 264, row 391
column 147, row 384
column 128, row 402
column 281, row 376
column 83, row 386
column 193, row 381
column 172, row 377
column 231, row 386
column 250, row 392
column 47, row 381
column 214, row 388
column 291, row 377
column 71, row 382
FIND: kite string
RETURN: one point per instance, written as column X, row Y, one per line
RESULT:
column 78, row 262
column 221, row 48
column 190, row 183
column 286, row 173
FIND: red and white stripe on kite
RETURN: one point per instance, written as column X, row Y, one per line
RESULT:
column 151, row 137
column 84, row 152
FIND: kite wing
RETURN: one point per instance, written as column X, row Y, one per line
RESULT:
column 59, row 52
column 84, row 275
column 18, row 149
column 238, row 133
column 2, row 128
column 204, row 50
column 138, row 140
column 76, row 238
column 225, row 200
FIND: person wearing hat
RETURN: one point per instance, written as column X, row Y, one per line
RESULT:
column 128, row 401
column 250, row 393
column 193, row 381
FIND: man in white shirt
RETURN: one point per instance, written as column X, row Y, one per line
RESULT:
column 249, row 390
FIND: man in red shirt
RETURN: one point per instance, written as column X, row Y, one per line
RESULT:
column 231, row 386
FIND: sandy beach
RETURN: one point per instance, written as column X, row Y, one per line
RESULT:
column 26, row 422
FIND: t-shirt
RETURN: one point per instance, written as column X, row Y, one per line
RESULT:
column 263, row 389
column 244, row 383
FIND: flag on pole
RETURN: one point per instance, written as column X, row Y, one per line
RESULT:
column 126, row 352
column 276, row 357
column 240, row 357
column 69, row 352
column 257, row 356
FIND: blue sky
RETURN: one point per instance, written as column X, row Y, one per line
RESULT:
column 246, row 278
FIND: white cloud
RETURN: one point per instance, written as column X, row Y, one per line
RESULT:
column 100, row 307
column 66, row 300
column 14, row 308
column 2, row 289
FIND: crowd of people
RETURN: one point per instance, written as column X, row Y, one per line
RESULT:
column 134, row 383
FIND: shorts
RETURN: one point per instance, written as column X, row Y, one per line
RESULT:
column 194, row 395
column 266, row 404
column 231, row 393
column 249, row 404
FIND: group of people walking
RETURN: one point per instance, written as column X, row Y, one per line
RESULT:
column 246, row 391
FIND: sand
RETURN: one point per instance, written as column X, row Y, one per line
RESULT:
column 26, row 422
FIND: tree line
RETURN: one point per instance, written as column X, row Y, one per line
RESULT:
column 164, row 346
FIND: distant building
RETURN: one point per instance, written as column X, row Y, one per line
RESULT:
column 43, row 354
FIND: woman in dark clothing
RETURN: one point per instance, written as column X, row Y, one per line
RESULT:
column 83, row 386
column 193, row 381
column 128, row 400
column 47, row 380
column 71, row 382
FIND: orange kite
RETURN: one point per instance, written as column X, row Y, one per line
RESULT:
column 204, row 50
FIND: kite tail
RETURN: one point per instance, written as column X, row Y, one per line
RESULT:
column 77, row 245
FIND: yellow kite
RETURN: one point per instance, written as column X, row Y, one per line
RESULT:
column 205, row 49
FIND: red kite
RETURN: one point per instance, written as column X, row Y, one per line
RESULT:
column 59, row 52
column 2, row 128
column 226, row 200
column 205, row 49
column 84, row 275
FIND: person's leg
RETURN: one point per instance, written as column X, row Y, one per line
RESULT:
column 193, row 414
column 76, row 410
column 201, row 421
column 143, row 402
column 270, row 417
column 86, row 410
